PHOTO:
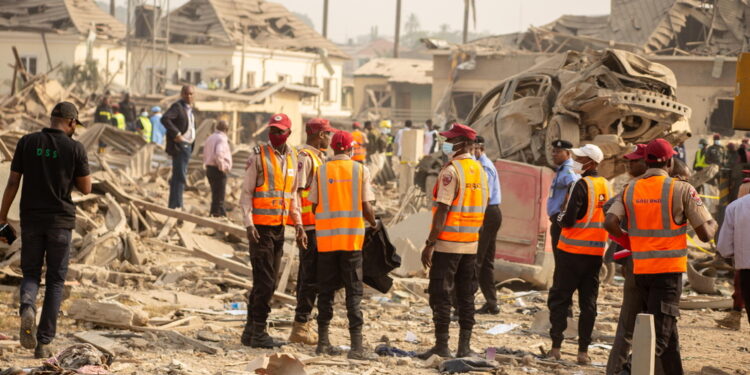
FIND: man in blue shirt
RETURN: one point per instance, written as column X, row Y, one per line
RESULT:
column 493, row 218
column 565, row 177
column 158, row 130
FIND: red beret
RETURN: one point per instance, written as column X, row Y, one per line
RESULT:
column 342, row 141
column 460, row 130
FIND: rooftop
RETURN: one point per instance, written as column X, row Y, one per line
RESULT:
column 59, row 16
column 398, row 70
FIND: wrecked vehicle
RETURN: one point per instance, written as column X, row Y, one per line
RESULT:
column 610, row 98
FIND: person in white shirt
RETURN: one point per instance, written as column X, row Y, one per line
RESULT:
column 734, row 242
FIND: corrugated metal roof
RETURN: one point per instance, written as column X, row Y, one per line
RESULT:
column 268, row 25
column 63, row 16
column 398, row 70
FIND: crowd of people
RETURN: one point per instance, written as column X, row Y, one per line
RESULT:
column 323, row 190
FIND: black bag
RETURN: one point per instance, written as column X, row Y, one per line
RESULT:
column 379, row 259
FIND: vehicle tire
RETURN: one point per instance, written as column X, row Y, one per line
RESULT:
column 607, row 273
column 560, row 127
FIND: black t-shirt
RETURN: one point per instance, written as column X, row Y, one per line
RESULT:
column 49, row 162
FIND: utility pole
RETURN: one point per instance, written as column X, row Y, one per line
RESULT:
column 325, row 18
column 153, row 50
column 127, row 49
column 242, row 60
column 112, row 8
column 398, row 29
column 466, row 21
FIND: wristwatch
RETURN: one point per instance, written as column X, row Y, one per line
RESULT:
column 430, row 243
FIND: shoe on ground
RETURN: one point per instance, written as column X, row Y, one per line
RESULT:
column 361, row 355
column 42, row 351
column 555, row 354
column 28, row 328
column 732, row 321
column 327, row 350
column 583, row 358
column 489, row 309
column 303, row 333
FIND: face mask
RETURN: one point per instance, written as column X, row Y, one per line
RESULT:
column 278, row 139
column 386, row 131
column 717, row 143
column 578, row 168
column 447, row 148
column 700, row 146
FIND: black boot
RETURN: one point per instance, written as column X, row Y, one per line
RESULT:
column 324, row 343
column 440, row 349
column 358, row 350
column 261, row 339
column 489, row 309
column 247, row 335
column 28, row 328
column 464, row 344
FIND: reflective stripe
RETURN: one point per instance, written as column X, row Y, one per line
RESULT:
column 583, row 243
column 270, row 211
column 273, row 194
column 269, row 169
column 461, row 229
column 337, row 215
column 657, row 254
column 323, row 189
column 356, row 176
column 340, row 232
column 471, row 209
column 588, row 226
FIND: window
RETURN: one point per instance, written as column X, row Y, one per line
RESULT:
column 250, row 80
column 329, row 90
column 283, row 77
column 29, row 63
column 193, row 76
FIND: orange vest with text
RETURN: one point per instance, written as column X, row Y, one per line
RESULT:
column 306, row 207
column 466, row 212
column 360, row 152
column 588, row 236
column 273, row 200
column 339, row 221
column 658, row 244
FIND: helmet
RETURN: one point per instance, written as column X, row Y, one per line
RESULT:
column 703, row 141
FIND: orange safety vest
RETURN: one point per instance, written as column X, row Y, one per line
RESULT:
column 360, row 152
column 306, row 207
column 588, row 236
column 273, row 199
column 339, row 221
column 466, row 213
column 658, row 244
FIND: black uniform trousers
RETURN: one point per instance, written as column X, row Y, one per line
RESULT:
column 661, row 295
column 554, row 231
column 632, row 305
column 218, row 182
column 745, row 289
column 307, row 279
column 265, row 257
column 493, row 218
column 451, row 271
column 334, row 269
column 574, row 272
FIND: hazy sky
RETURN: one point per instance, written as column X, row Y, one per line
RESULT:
column 349, row 18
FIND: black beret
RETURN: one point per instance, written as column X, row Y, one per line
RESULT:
column 562, row 144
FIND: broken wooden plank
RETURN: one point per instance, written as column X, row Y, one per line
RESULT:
column 284, row 278
column 105, row 344
column 166, row 228
column 229, row 264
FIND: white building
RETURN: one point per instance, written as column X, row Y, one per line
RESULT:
column 245, row 44
column 48, row 33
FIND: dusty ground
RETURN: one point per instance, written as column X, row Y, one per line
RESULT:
column 702, row 343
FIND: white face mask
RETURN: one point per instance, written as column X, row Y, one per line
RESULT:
column 578, row 168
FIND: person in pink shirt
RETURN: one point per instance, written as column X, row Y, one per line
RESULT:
column 217, row 157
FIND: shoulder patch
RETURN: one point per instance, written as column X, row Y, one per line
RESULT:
column 695, row 196
column 447, row 178
column 256, row 149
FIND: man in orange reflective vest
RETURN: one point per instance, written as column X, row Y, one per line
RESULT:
column 310, row 159
column 360, row 147
column 341, row 196
column 582, row 244
column 461, row 195
column 268, row 199
column 656, row 209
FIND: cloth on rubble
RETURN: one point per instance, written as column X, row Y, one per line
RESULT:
column 385, row 350
column 460, row 365
column 380, row 259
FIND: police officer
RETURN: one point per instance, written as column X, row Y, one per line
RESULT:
column 460, row 198
column 564, row 178
column 657, row 209
column 310, row 159
column 580, row 251
column 268, row 199
column 341, row 196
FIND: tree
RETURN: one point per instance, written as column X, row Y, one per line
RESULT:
column 412, row 24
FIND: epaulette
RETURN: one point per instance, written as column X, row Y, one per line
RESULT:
column 256, row 149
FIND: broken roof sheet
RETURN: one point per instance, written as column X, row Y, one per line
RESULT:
column 61, row 16
column 269, row 25
column 398, row 70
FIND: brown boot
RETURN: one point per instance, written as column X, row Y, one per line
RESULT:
column 583, row 358
column 732, row 321
column 303, row 333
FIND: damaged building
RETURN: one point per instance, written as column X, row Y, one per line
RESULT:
column 697, row 40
